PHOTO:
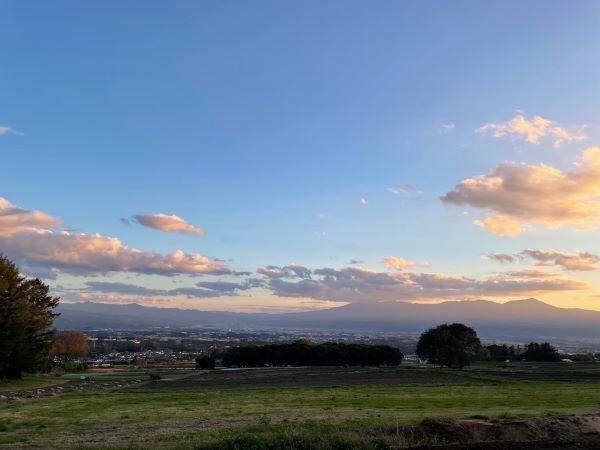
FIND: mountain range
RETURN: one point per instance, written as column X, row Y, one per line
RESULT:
column 529, row 317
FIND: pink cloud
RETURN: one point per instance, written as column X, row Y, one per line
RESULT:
column 13, row 219
column 30, row 237
column 168, row 223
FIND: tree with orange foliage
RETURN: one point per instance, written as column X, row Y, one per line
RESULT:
column 71, row 345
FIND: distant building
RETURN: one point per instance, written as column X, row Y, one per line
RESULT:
column 413, row 359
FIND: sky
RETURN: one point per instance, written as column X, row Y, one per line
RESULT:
column 285, row 156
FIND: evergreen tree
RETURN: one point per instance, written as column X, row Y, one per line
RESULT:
column 26, row 315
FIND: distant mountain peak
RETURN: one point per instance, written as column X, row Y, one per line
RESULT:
column 529, row 302
column 530, row 317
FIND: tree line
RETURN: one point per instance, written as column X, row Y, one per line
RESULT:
column 533, row 351
column 457, row 345
column 304, row 353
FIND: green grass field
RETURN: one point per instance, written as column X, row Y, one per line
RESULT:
column 198, row 415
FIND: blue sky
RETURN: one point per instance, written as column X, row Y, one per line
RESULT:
column 266, row 123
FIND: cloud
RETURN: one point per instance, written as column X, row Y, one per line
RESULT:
column 290, row 271
column 31, row 239
column 168, row 223
column 140, row 291
column 531, row 131
column 400, row 189
column 581, row 261
column 229, row 287
column 207, row 289
column 358, row 285
column 396, row 263
column 501, row 257
column 122, row 288
column 96, row 254
column 403, row 189
column 363, row 202
column 577, row 261
column 519, row 195
column 523, row 274
column 6, row 130
column 501, row 225
column 446, row 127
column 13, row 219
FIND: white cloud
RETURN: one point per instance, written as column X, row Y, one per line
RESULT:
column 404, row 189
column 363, row 202
column 446, row 127
column 532, row 131
column 6, row 130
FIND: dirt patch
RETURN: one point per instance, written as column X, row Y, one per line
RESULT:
column 307, row 377
column 538, row 432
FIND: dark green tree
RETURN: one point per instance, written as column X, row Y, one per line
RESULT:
column 451, row 345
column 205, row 362
column 26, row 317
column 540, row 352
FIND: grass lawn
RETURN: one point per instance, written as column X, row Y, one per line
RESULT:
column 138, row 417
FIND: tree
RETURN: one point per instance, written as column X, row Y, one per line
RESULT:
column 205, row 362
column 26, row 315
column 453, row 345
column 540, row 352
column 500, row 352
column 71, row 345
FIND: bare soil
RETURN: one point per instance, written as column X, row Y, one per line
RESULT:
column 559, row 432
column 307, row 377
